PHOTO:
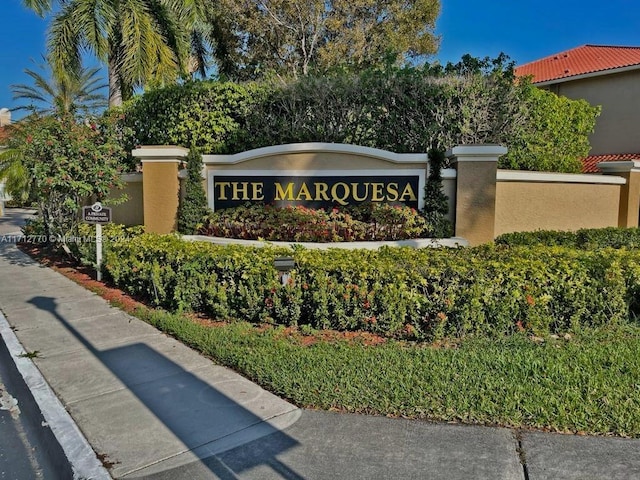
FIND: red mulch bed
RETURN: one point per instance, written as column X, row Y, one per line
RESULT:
column 81, row 274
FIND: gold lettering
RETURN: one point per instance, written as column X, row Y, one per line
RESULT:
column 345, row 193
column 304, row 190
column 376, row 195
column 354, row 192
column 321, row 191
column 284, row 194
column 222, row 186
column 256, row 190
column 240, row 190
column 392, row 192
column 408, row 191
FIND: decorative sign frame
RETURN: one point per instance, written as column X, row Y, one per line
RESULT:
column 316, row 189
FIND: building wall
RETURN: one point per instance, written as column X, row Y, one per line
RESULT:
column 130, row 212
column 529, row 201
column 619, row 95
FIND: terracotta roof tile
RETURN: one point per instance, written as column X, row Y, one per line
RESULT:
column 590, row 164
column 580, row 61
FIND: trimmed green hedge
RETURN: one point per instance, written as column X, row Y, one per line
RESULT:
column 587, row 239
column 417, row 294
column 402, row 110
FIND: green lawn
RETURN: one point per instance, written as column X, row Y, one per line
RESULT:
column 588, row 383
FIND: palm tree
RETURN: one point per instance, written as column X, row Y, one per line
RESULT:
column 51, row 95
column 139, row 40
column 14, row 175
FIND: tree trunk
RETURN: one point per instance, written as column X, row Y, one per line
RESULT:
column 115, row 88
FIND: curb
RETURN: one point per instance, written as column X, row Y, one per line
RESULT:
column 78, row 452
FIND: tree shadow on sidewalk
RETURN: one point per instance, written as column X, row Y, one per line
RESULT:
column 204, row 419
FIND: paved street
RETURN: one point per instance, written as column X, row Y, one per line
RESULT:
column 22, row 453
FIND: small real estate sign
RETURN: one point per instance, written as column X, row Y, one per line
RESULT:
column 232, row 189
column 96, row 214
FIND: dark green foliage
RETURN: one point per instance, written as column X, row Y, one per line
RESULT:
column 193, row 206
column 422, row 294
column 587, row 239
column 64, row 163
column 436, row 205
column 405, row 110
column 206, row 115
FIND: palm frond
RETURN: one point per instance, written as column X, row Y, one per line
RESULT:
column 39, row 6
column 65, row 42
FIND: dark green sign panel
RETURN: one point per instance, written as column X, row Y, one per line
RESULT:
column 314, row 191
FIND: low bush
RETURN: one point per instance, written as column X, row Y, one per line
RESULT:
column 590, row 238
column 301, row 224
column 84, row 245
column 423, row 294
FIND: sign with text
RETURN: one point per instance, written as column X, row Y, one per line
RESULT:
column 314, row 191
column 96, row 213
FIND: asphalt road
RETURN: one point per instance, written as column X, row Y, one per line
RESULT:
column 22, row 456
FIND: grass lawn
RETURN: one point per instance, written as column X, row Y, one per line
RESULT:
column 587, row 383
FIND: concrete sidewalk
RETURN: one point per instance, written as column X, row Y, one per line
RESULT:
column 152, row 408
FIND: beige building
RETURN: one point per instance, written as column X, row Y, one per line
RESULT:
column 608, row 76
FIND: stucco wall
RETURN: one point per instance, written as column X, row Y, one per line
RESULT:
column 619, row 95
column 566, row 202
column 131, row 211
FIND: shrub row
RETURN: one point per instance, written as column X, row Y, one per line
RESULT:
column 587, row 239
column 301, row 224
column 402, row 110
column 418, row 294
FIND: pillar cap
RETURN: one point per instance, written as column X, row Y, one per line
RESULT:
column 620, row 167
column 476, row 153
column 160, row 153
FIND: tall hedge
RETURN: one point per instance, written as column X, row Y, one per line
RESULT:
column 403, row 110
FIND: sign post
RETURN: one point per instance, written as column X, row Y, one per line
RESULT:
column 98, row 215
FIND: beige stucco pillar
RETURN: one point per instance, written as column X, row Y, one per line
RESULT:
column 629, row 192
column 476, row 167
column 160, row 185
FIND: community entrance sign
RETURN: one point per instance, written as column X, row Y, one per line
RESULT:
column 316, row 175
column 318, row 191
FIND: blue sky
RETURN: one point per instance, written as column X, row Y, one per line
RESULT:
column 523, row 29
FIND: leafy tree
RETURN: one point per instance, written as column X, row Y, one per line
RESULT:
column 77, row 93
column 140, row 40
column 67, row 162
column 256, row 37
column 555, row 135
column 193, row 206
